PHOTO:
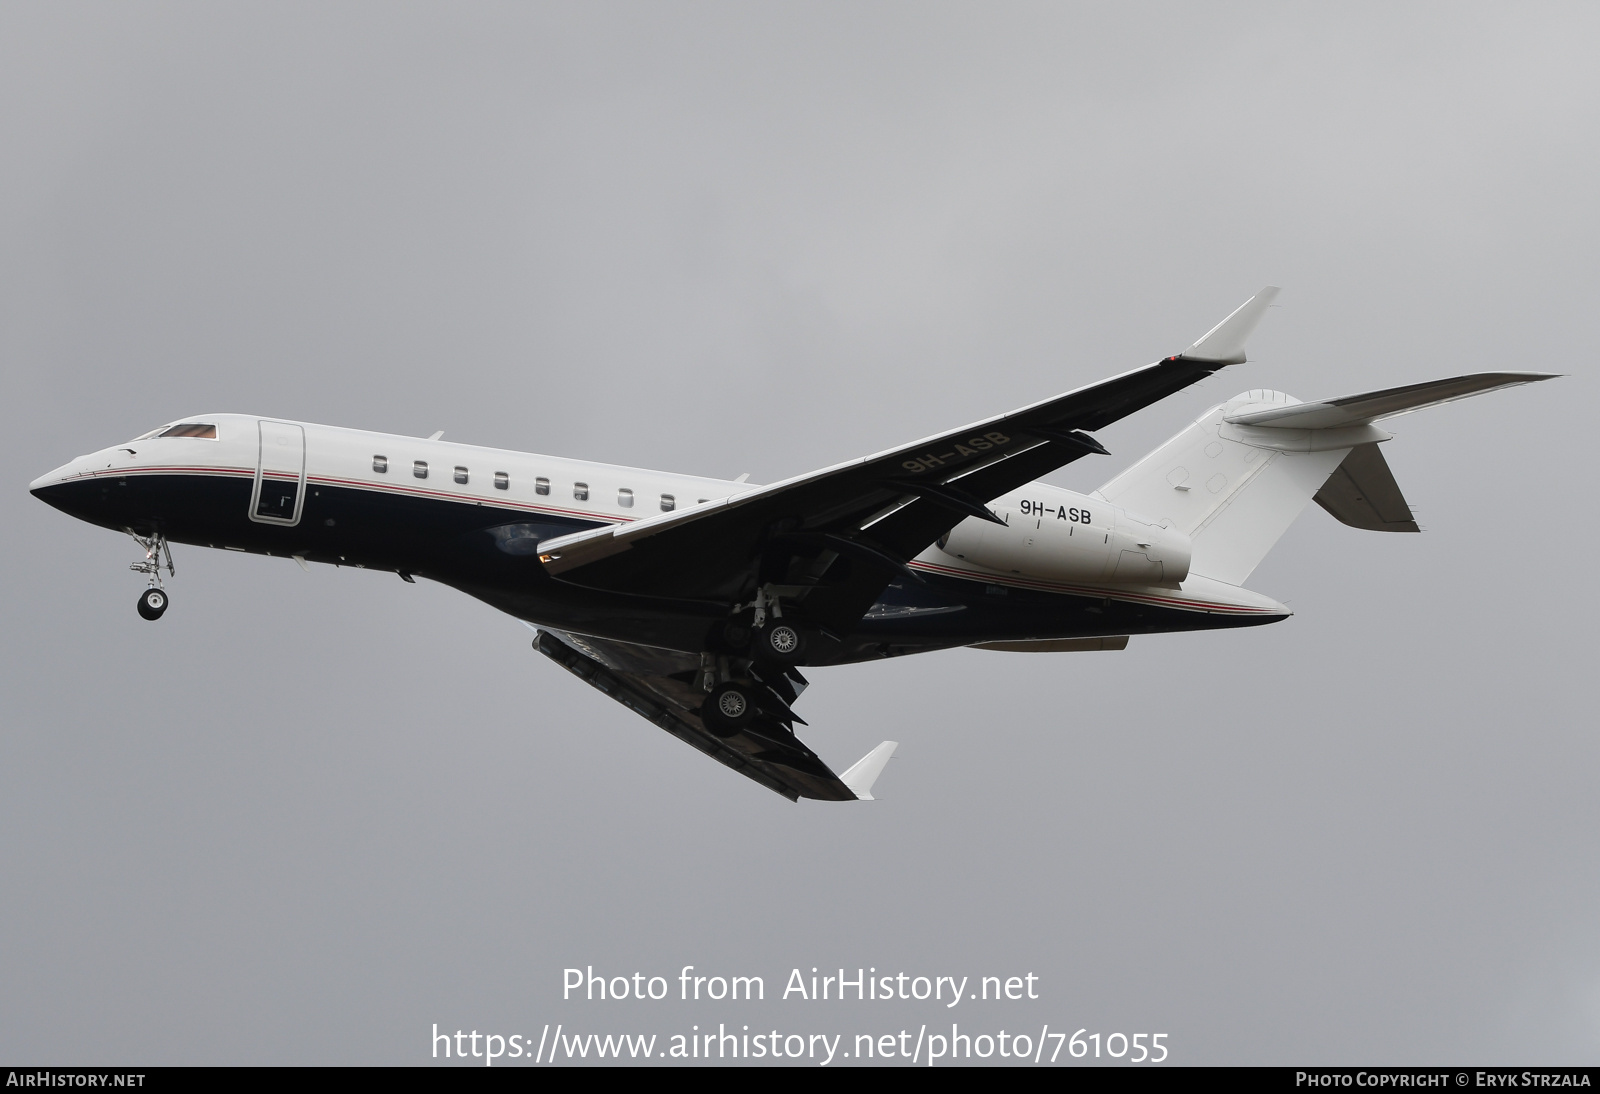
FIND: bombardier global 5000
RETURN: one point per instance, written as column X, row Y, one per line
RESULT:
column 696, row 602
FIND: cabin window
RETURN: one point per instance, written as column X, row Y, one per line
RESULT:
column 461, row 475
column 502, row 481
column 668, row 503
column 580, row 490
column 420, row 469
column 190, row 429
column 380, row 464
column 625, row 498
column 541, row 485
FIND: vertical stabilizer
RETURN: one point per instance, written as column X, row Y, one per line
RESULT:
column 1233, row 498
column 1236, row 479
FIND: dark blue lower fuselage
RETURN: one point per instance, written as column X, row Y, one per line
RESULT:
column 486, row 552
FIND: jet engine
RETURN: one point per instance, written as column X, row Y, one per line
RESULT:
column 1057, row 535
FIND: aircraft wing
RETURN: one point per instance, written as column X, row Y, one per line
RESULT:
column 660, row 686
column 878, row 512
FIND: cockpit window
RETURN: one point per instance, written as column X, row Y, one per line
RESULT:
column 190, row 429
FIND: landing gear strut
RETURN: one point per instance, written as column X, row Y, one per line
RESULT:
column 747, row 671
column 153, row 601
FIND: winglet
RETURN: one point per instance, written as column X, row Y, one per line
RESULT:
column 1224, row 343
column 865, row 771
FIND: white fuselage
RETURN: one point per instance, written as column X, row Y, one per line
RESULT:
column 1054, row 540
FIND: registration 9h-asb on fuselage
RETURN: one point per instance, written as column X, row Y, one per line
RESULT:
column 695, row 602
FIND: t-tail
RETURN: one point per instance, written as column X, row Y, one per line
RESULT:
column 1238, row 477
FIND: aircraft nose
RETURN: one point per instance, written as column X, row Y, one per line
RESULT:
column 60, row 488
column 40, row 485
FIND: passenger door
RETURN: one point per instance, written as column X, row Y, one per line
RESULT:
column 280, row 486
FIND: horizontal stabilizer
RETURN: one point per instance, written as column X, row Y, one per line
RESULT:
column 1372, row 406
column 865, row 771
column 1224, row 343
column 1363, row 494
column 1236, row 479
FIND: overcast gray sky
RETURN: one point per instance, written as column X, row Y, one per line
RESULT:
column 305, row 817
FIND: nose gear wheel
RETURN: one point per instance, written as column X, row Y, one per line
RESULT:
column 152, row 603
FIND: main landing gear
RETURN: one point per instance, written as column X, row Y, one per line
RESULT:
column 773, row 639
column 749, row 669
column 778, row 642
column 153, row 601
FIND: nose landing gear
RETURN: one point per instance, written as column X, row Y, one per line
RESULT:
column 153, row 601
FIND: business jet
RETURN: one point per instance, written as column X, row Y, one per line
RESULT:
column 696, row 602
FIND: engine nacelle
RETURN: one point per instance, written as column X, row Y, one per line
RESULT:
column 1057, row 535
